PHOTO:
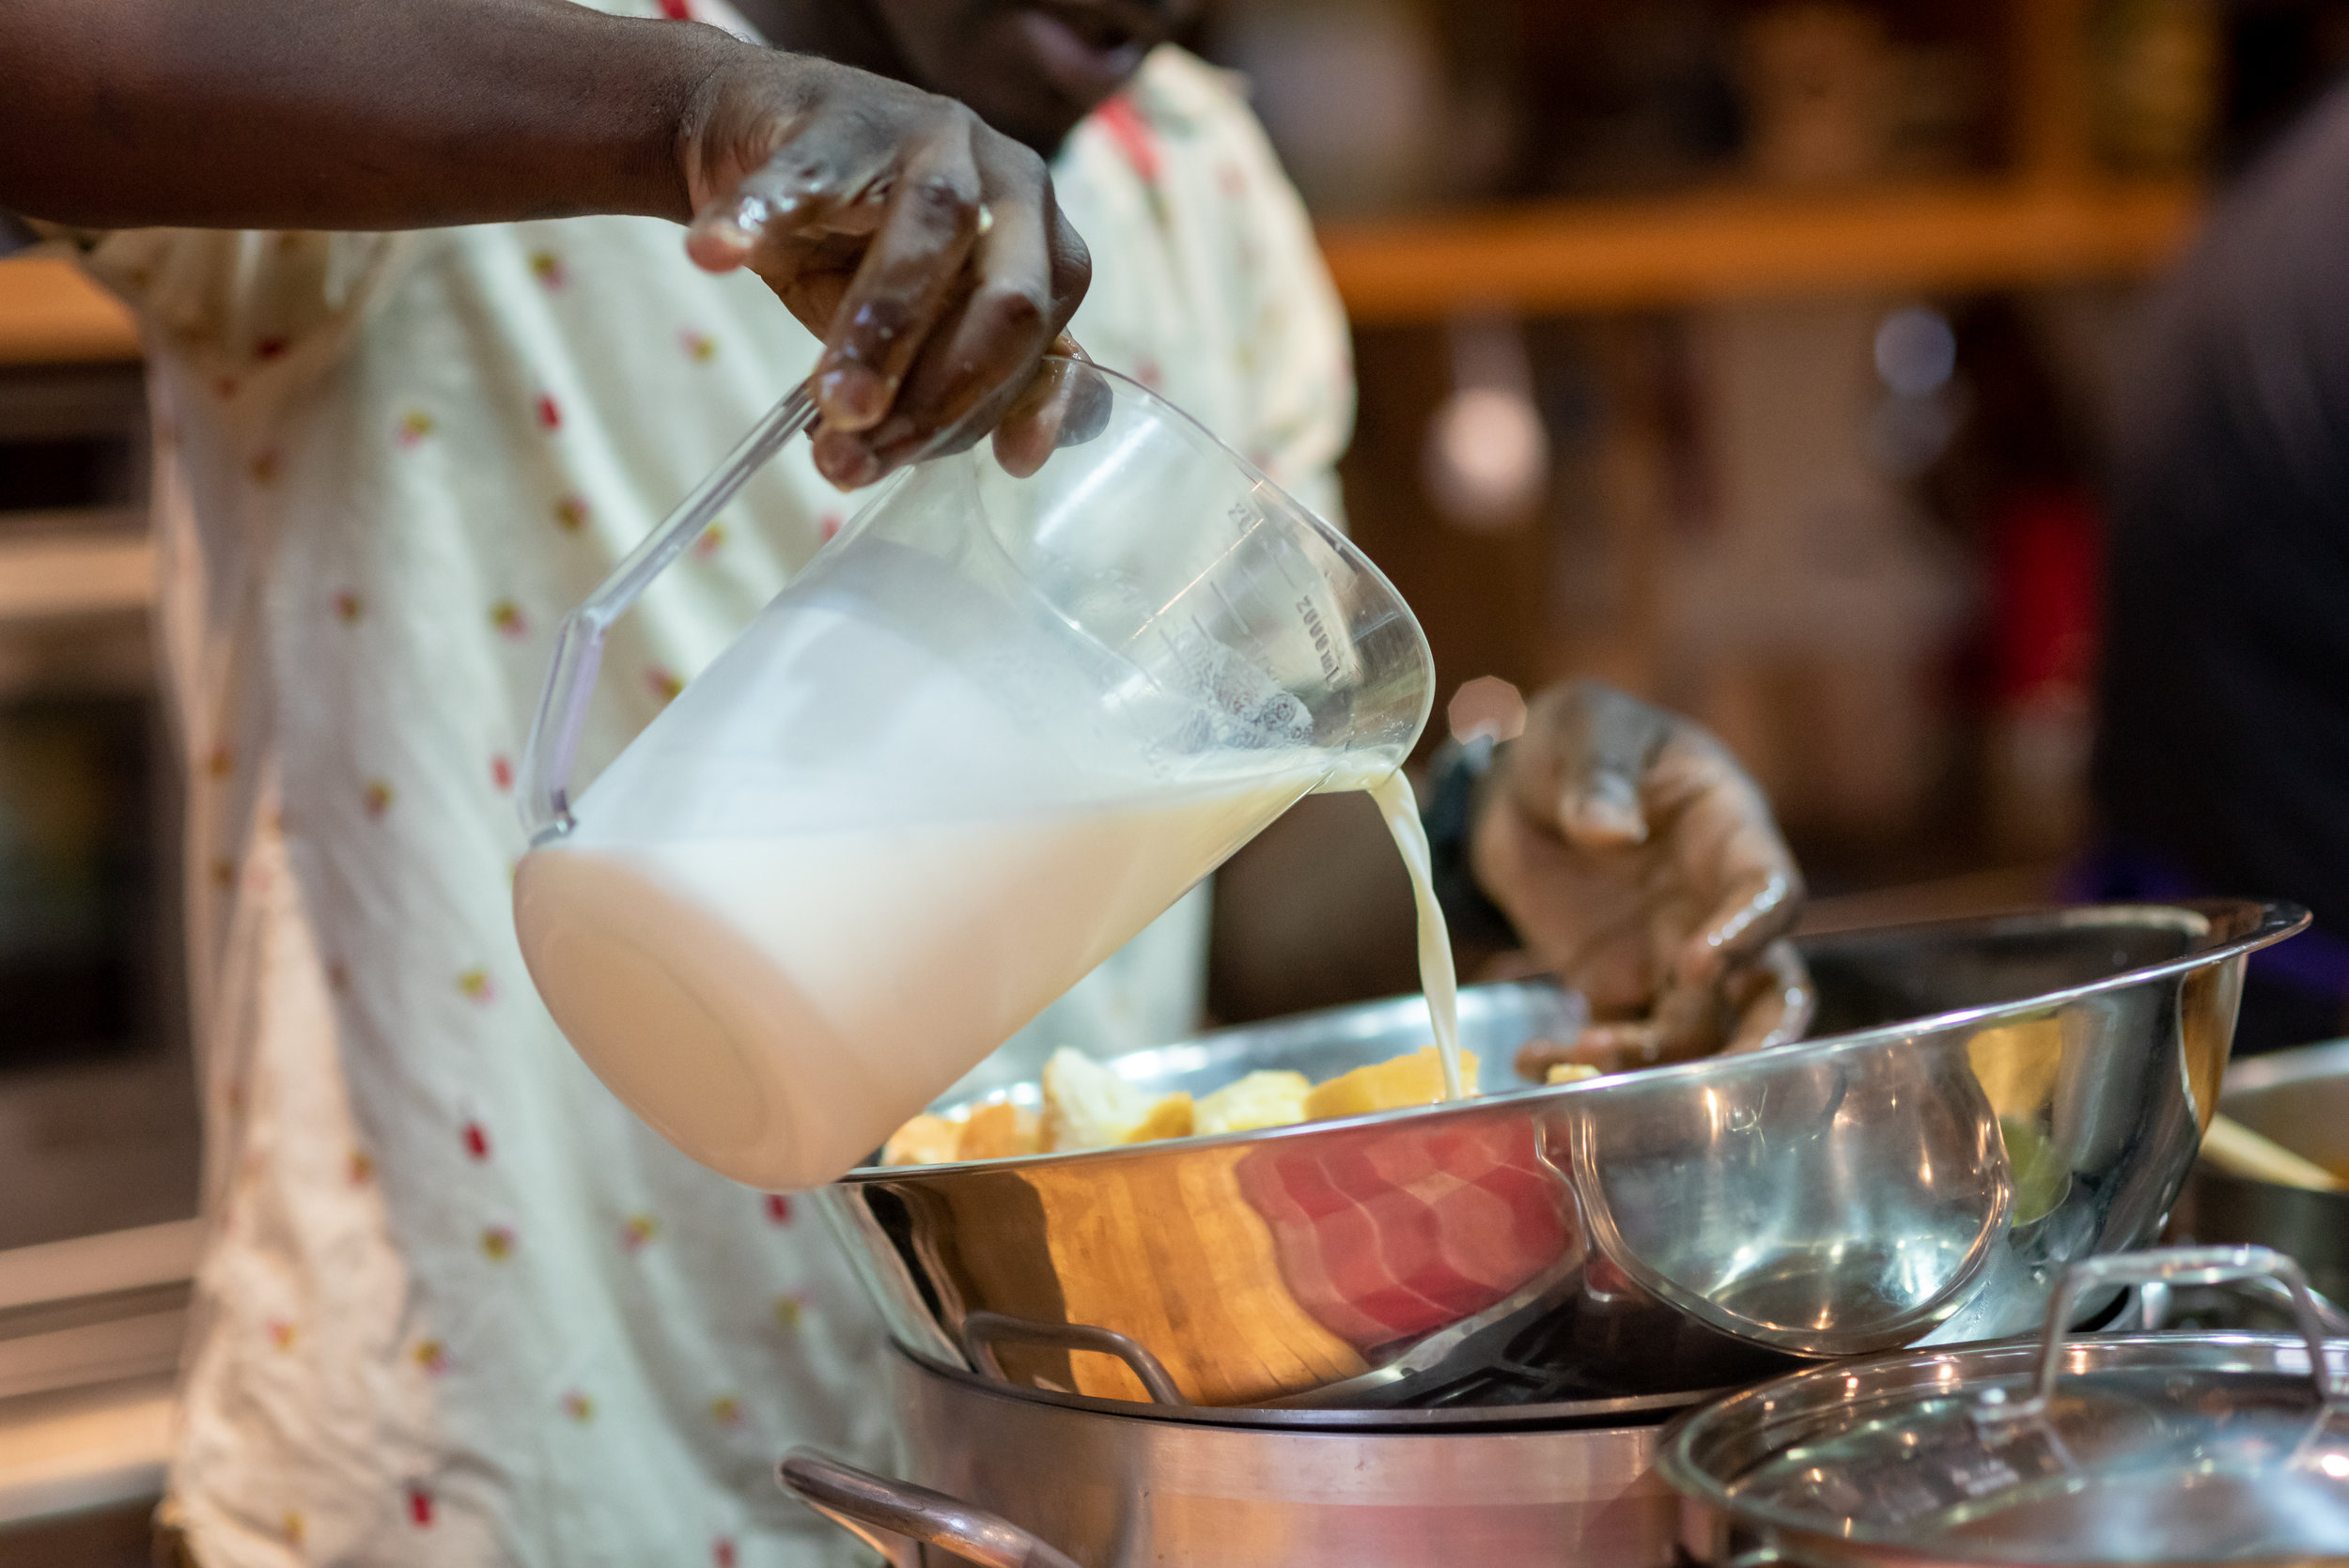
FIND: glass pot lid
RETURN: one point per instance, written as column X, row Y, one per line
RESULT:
column 2147, row 1448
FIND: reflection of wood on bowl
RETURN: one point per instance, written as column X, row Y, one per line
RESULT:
column 1170, row 1254
column 2238, row 1151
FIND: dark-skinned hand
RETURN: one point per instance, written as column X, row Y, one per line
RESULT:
column 1641, row 864
column 926, row 249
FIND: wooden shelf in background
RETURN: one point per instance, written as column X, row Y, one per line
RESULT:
column 1556, row 257
column 50, row 314
column 42, row 578
column 1565, row 257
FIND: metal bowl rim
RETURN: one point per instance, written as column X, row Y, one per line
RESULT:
column 1881, row 1378
column 1650, row 1411
column 2275, row 920
column 2325, row 1059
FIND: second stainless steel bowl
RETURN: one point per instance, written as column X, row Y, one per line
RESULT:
column 1993, row 1098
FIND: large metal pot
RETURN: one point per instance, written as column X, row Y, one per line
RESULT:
column 1996, row 1096
column 2300, row 1098
column 999, row 1477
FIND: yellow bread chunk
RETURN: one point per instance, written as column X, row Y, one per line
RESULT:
column 999, row 1132
column 1088, row 1107
column 1266, row 1098
column 1390, row 1085
column 1170, row 1118
column 924, row 1141
column 1570, row 1072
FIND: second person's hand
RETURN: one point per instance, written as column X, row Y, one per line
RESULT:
column 1636, row 859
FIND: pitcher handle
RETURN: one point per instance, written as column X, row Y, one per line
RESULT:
column 870, row 1506
column 553, row 745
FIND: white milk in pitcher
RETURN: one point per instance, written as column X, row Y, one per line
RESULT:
column 775, row 1007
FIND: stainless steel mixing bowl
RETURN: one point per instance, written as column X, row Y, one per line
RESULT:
column 1992, row 1098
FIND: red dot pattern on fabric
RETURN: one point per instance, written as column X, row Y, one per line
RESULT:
column 419, row 1507
column 663, row 683
column 1132, row 134
column 831, row 526
column 721, row 1553
column 508, row 618
column 778, row 1208
column 550, row 415
column 547, row 267
column 477, row 1140
column 678, row 10
column 712, row 539
column 501, row 773
column 571, row 513
column 638, row 1233
column 376, row 799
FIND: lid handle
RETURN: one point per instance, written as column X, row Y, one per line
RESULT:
column 2169, row 1265
column 554, row 746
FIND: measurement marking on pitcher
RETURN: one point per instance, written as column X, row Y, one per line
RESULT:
column 1225, row 599
column 1320, row 636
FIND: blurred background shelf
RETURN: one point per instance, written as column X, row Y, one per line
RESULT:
column 50, row 314
column 1576, row 257
column 104, row 565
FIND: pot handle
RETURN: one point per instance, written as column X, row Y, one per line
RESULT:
column 981, row 1329
column 2169, row 1265
column 554, row 746
column 886, row 1514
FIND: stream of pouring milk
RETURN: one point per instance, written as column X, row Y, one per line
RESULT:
column 1400, row 807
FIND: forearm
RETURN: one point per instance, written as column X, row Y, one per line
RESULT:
column 343, row 114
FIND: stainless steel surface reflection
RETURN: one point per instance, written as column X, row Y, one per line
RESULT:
column 2300, row 1098
column 2112, row 1449
column 993, row 1475
column 1995, row 1099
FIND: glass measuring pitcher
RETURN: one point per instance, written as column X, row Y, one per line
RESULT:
column 995, row 727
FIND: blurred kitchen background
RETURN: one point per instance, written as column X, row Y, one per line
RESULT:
column 1752, row 354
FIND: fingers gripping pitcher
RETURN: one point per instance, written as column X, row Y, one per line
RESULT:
column 995, row 728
